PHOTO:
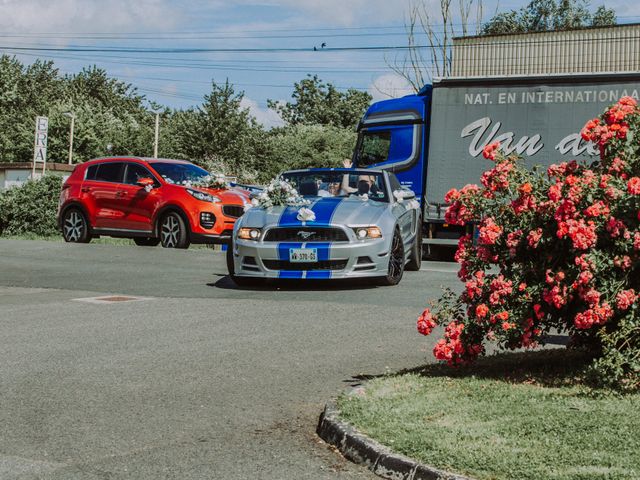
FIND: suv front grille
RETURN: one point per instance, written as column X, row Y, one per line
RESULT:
column 306, row 234
column 322, row 265
column 234, row 211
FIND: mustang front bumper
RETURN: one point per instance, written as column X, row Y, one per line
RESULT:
column 356, row 258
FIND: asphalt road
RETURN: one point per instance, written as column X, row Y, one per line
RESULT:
column 197, row 380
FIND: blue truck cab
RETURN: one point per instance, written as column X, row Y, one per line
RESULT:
column 394, row 135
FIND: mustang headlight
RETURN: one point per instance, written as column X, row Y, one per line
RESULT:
column 249, row 233
column 205, row 197
column 362, row 233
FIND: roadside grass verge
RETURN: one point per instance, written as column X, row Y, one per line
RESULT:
column 98, row 241
column 58, row 238
column 510, row 416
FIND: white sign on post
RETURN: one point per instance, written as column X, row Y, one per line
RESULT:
column 40, row 145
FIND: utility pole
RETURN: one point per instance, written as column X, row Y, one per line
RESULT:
column 73, row 121
column 155, row 142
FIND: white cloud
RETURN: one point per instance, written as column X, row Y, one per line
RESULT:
column 334, row 12
column 351, row 12
column 87, row 15
column 267, row 117
column 388, row 86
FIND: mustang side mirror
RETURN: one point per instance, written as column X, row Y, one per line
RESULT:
column 404, row 194
column 145, row 182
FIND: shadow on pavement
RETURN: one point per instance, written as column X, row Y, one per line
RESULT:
column 296, row 285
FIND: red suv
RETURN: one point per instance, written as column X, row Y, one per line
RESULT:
column 149, row 200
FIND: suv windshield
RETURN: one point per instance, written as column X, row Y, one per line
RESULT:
column 339, row 184
column 179, row 173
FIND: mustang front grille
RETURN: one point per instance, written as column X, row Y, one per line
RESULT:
column 322, row 265
column 233, row 211
column 306, row 234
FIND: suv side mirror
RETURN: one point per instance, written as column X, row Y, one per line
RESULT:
column 146, row 182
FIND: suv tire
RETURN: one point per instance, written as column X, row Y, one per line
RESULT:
column 75, row 228
column 173, row 231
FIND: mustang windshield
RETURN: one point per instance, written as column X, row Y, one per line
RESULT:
column 179, row 173
column 339, row 184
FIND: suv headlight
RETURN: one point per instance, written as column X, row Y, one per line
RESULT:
column 249, row 233
column 362, row 233
column 205, row 197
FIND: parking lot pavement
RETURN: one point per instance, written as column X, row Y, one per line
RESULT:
column 197, row 379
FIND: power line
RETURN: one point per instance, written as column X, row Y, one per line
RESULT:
column 211, row 66
column 184, row 50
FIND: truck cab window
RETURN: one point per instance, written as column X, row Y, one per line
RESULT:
column 374, row 147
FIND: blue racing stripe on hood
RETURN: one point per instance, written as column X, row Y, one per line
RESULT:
column 324, row 209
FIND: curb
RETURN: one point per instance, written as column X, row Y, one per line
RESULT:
column 376, row 457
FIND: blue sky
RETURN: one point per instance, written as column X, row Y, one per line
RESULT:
column 181, row 79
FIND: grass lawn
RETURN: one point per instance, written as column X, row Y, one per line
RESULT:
column 512, row 416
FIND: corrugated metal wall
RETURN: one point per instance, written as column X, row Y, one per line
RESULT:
column 593, row 50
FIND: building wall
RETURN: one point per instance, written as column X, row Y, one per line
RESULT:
column 14, row 174
column 592, row 50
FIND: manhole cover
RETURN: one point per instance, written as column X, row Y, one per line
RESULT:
column 111, row 299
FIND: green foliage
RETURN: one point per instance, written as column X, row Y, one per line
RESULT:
column 108, row 112
column 321, row 103
column 31, row 208
column 306, row 146
column 546, row 15
column 220, row 134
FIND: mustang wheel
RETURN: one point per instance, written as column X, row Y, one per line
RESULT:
column 75, row 227
column 415, row 258
column 146, row 241
column 173, row 232
column 396, row 261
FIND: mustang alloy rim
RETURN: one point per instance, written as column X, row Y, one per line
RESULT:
column 170, row 231
column 73, row 226
column 395, row 262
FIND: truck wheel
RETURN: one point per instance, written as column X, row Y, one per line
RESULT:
column 173, row 231
column 396, row 261
column 146, row 241
column 75, row 228
column 415, row 258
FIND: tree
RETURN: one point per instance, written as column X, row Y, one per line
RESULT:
column 107, row 111
column 306, row 146
column 219, row 131
column 25, row 92
column 319, row 103
column 433, row 33
column 547, row 15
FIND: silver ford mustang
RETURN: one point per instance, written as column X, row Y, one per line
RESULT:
column 364, row 224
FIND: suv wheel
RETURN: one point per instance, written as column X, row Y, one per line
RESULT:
column 173, row 231
column 75, row 227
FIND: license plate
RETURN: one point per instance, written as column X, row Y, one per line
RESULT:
column 303, row 255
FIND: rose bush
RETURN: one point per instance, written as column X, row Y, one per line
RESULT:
column 554, row 250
